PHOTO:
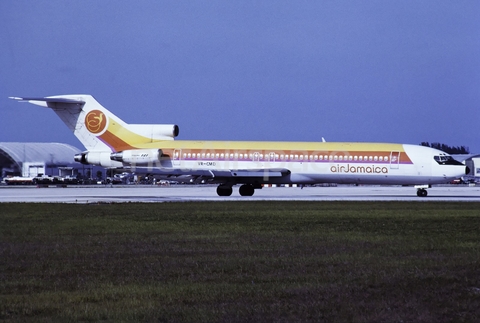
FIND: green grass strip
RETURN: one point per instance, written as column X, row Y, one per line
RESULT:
column 240, row 261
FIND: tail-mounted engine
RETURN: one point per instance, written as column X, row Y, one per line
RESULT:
column 137, row 157
column 100, row 158
column 155, row 132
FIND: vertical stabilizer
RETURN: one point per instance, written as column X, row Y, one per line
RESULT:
column 97, row 128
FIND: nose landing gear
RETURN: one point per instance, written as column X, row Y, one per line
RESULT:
column 422, row 190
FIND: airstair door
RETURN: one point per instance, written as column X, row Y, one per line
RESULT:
column 177, row 157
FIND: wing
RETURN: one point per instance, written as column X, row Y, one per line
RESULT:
column 236, row 176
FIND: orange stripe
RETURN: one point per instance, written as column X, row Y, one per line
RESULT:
column 114, row 142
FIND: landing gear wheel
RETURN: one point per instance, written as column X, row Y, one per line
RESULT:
column 224, row 190
column 422, row 193
column 246, row 190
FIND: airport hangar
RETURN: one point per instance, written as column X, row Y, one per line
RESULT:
column 31, row 159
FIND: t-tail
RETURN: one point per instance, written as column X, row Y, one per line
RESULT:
column 98, row 129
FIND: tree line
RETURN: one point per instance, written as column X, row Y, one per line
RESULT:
column 453, row 150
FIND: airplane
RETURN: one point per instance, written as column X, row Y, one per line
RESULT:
column 152, row 149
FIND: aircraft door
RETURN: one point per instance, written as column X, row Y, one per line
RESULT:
column 394, row 159
column 177, row 157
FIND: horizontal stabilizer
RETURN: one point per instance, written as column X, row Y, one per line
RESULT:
column 47, row 102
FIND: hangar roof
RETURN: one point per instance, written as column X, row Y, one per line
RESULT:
column 50, row 153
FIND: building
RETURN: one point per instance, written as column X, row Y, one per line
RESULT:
column 30, row 159
column 472, row 161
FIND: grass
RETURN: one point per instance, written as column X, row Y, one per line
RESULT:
column 240, row 261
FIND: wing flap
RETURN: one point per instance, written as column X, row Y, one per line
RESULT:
column 251, row 173
column 261, row 173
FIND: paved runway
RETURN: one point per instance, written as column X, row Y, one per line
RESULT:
column 179, row 193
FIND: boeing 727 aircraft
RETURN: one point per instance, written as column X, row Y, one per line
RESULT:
column 148, row 148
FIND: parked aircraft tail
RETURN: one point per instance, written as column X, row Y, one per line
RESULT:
column 97, row 128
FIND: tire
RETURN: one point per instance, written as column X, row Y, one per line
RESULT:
column 223, row 190
column 246, row 190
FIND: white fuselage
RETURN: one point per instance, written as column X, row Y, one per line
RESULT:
column 349, row 163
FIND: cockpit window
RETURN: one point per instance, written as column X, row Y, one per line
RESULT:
column 446, row 160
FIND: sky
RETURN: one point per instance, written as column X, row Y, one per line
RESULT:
column 363, row 71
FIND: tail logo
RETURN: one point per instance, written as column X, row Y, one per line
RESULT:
column 96, row 121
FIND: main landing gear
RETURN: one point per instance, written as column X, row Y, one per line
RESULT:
column 226, row 190
column 246, row 190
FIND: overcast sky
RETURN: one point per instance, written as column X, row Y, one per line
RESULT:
column 369, row 71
